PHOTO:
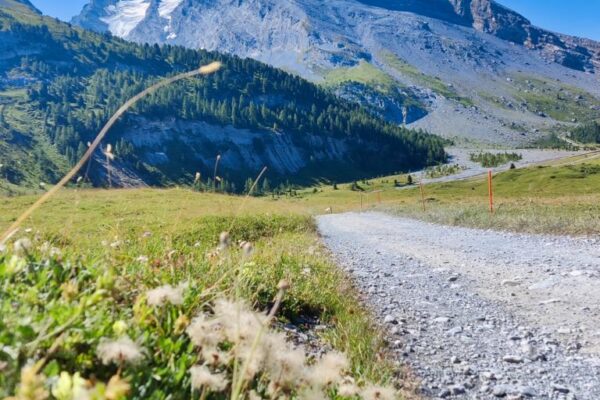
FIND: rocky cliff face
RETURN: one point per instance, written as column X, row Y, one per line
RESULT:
column 460, row 60
column 491, row 17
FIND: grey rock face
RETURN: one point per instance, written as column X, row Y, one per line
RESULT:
column 173, row 16
column 468, row 44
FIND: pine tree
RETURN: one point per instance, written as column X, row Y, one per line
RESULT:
column 266, row 187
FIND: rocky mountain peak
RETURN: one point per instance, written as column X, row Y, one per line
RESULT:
column 460, row 59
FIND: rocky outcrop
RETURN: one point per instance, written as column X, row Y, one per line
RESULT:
column 491, row 17
column 454, row 54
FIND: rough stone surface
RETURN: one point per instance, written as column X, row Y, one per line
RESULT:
column 476, row 48
column 476, row 338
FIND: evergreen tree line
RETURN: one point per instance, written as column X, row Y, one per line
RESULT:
column 83, row 77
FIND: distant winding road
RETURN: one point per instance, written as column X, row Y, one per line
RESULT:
column 479, row 314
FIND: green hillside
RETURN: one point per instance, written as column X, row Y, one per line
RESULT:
column 61, row 84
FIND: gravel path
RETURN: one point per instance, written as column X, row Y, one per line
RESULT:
column 479, row 314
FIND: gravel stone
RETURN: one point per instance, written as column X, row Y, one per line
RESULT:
column 471, row 334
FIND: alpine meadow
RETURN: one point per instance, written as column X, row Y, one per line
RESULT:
column 297, row 199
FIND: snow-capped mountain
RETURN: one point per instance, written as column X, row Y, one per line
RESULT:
column 466, row 68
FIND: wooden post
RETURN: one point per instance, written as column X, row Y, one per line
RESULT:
column 422, row 195
column 491, row 191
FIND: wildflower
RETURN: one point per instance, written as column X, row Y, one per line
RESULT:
column 197, row 178
column 166, row 294
column 224, row 240
column 373, row 392
column 22, row 246
column 215, row 357
column 79, row 179
column 147, row 234
column 205, row 333
column 312, row 393
column 70, row 387
column 142, row 259
column 181, row 324
column 119, row 351
column 45, row 248
column 31, row 386
column 238, row 321
column 116, row 244
column 202, row 377
column 329, row 369
column 120, row 328
column 247, row 249
column 284, row 364
column 15, row 264
column 117, row 388
column 69, row 290
column 212, row 255
column 348, row 388
column 55, row 252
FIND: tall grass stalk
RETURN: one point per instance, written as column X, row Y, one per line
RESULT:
column 204, row 70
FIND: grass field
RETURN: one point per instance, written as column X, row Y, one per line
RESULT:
column 132, row 241
column 96, row 255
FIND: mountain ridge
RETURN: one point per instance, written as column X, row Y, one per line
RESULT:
column 465, row 63
column 59, row 84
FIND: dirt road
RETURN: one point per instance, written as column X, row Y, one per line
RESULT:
column 479, row 314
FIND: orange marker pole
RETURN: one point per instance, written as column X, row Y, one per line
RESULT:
column 422, row 194
column 491, row 191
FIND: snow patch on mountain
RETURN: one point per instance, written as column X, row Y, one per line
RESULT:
column 166, row 7
column 125, row 15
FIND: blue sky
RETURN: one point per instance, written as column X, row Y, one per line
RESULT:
column 575, row 17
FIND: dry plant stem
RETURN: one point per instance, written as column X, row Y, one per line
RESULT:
column 215, row 173
column 205, row 70
column 108, row 171
column 243, row 204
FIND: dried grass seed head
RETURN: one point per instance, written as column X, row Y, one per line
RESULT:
column 166, row 294
column 202, row 377
column 374, row 392
column 122, row 350
column 22, row 246
column 224, row 240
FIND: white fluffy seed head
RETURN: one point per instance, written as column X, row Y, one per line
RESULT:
column 202, row 377
column 373, row 392
column 166, row 294
column 122, row 350
column 329, row 370
column 247, row 249
column 224, row 240
column 22, row 246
